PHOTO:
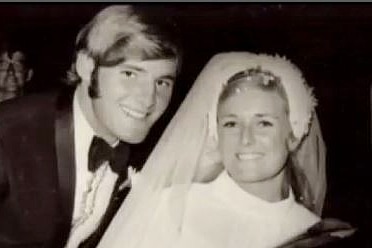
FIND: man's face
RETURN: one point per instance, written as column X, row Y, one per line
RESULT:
column 13, row 73
column 132, row 96
column 253, row 131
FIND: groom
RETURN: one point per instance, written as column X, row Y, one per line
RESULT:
column 64, row 159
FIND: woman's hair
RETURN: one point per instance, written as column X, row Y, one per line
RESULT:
column 264, row 80
column 121, row 32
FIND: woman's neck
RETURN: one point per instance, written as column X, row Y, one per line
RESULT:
column 272, row 190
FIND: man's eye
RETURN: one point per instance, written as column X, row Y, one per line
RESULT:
column 129, row 74
column 229, row 124
column 164, row 83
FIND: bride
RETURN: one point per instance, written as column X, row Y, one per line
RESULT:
column 242, row 164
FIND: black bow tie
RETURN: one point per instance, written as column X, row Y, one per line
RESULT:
column 100, row 152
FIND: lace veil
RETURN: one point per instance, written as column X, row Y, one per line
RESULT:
column 186, row 152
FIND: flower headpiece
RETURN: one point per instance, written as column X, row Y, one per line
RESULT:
column 265, row 77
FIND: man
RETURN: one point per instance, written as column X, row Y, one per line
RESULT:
column 15, row 72
column 55, row 188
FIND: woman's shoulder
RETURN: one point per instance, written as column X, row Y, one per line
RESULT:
column 193, row 198
column 300, row 212
column 191, row 191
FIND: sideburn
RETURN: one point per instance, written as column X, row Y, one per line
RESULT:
column 93, row 87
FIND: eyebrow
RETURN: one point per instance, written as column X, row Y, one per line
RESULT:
column 267, row 115
column 140, row 69
column 170, row 77
column 133, row 67
column 229, row 116
column 256, row 115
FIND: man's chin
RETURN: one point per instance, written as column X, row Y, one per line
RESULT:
column 134, row 138
column 13, row 90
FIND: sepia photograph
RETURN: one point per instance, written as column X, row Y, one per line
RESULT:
column 174, row 125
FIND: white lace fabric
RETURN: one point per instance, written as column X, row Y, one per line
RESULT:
column 93, row 205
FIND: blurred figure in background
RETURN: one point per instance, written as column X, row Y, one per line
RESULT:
column 15, row 71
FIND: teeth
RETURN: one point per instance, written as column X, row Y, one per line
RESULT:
column 248, row 156
column 133, row 113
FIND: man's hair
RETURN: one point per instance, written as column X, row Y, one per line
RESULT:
column 10, row 46
column 120, row 32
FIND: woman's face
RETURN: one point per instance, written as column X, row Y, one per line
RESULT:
column 253, row 131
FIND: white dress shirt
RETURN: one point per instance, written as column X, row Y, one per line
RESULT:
column 92, row 190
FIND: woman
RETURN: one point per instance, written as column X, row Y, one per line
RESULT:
column 242, row 164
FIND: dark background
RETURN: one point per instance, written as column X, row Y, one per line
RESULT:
column 331, row 43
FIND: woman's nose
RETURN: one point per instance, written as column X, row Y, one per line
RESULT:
column 247, row 135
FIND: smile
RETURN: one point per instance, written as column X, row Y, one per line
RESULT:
column 248, row 156
column 134, row 113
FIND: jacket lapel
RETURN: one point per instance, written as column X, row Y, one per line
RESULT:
column 65, row 150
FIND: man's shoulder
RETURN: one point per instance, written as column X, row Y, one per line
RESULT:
column 26, row 106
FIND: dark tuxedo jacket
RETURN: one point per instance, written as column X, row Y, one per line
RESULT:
column 37, row 173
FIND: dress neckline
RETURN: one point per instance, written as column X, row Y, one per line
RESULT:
column 229, row 191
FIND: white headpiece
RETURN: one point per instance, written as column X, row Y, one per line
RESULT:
column 300, row 98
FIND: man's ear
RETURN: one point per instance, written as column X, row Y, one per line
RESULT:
column 292, row 142
column 29, row 75
column 84, row 66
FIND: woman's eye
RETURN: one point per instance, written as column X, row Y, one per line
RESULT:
column 265, row 123
column 229, row 124
column 129, row 74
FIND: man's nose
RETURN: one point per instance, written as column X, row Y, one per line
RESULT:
column 147, row 93
column 247, row 135
column 10, row 70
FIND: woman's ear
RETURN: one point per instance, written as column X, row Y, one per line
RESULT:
column 84, row 66
column 292, row 142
